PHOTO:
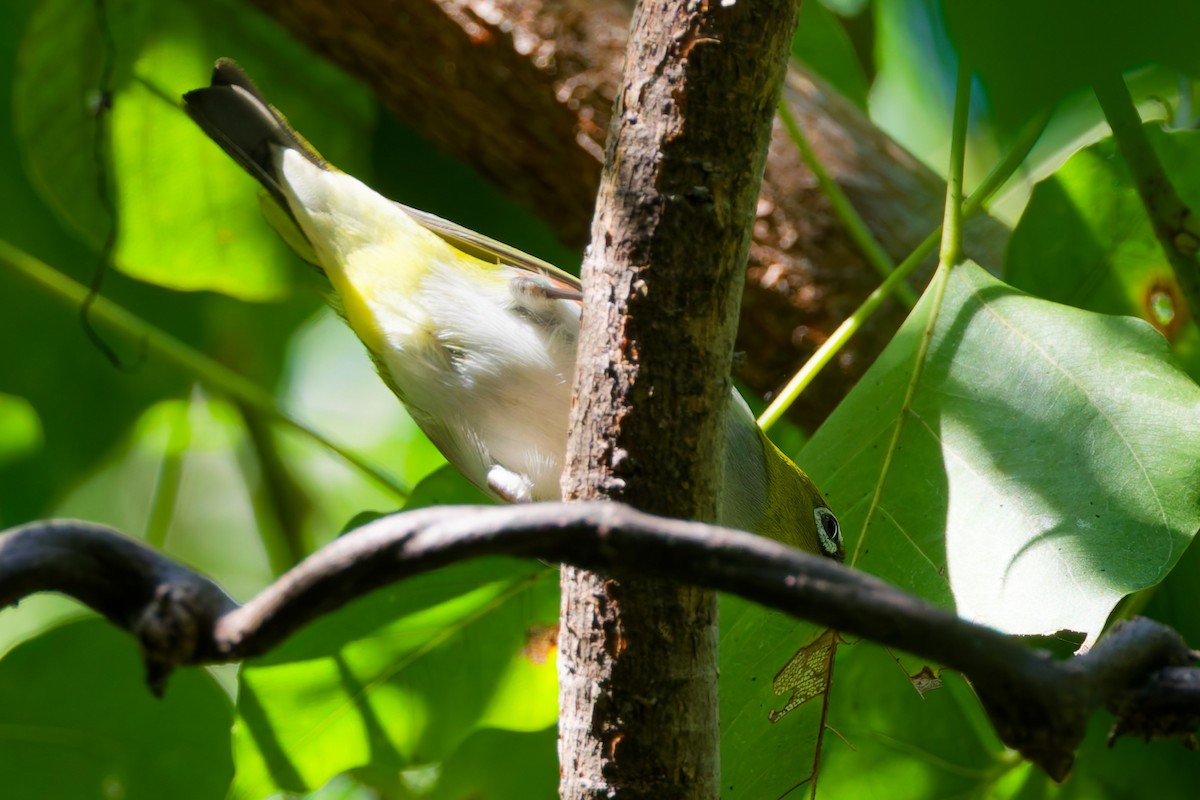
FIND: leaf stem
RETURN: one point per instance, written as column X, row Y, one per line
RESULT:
column 831, row 346
column 165, row 497
column 1175, row 226
column 192, row 362
column 952, row 224
column 857, row 229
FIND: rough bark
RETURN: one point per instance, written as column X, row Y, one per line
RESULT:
column 523, row 91
column 662, row 289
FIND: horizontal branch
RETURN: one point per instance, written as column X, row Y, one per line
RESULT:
column 1038, row 705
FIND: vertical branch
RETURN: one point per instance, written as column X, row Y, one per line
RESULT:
column 1175, row 226
column 662, row 285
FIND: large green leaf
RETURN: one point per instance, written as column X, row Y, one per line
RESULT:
column 1088, row 221
column 1025, row 463
column 893, row 742
column 41, row 344
column 84, row 404
column 1029, row 467
column 1040, row 464
column 431, row 660
column 77, row 720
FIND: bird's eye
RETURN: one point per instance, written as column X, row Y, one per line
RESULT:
column 828, row 531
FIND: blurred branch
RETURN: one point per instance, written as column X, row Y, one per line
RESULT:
column 159, row 343
column 283, row 505
column 856, row 227
column 1140, row 671
column 523, row 91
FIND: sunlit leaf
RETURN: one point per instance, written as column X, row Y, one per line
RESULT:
column 20, row 428
column 501, row 765
column 403, row 676
column 187, row 217
column 1042, row 463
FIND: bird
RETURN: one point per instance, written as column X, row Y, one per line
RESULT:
column 474, row 337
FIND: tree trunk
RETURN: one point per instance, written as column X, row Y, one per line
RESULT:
column 662, row 289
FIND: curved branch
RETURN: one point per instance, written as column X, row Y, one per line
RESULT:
column 171, row 610
column 1038, row 705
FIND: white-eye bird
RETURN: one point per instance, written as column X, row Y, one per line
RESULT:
column 477, row 339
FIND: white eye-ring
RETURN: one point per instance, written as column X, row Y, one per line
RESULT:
column 828, row 531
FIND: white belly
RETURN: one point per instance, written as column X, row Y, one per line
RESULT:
column 489, row 383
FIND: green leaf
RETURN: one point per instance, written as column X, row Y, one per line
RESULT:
column 1126, row 769
column 822, row 43
column 55, row 103
column 846, row 8
column 77, row 720
column 896, row 743
column 1088, row 221
column 188, row 217
column 446, row 486
column 1025, row 463
column 20, row 428
column 41, row 344
column 401, row 677
column 761, row 757
column 1173, row 602
column 912, row 95
column 1031, row 53
column 1085, row 239
column 501, row 765
column 1037, row 465
column 83, row 404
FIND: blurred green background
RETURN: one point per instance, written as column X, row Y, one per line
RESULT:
column 144, row 447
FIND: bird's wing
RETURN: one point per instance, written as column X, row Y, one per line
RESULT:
column 487, row 249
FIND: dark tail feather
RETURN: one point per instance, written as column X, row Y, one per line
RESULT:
column 238, row 118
